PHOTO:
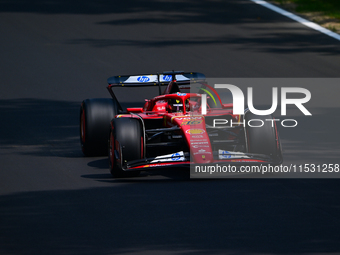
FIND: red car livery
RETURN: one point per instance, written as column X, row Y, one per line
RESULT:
column 170, row 130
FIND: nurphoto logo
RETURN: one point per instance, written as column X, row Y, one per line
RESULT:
column 238, row 105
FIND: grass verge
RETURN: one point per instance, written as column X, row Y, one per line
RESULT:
column 323, row 12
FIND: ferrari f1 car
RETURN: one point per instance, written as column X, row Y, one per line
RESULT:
column 170, row 130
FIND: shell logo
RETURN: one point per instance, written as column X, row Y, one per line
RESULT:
column 195, row 131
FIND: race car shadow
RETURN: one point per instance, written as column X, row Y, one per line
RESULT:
column 164, row 174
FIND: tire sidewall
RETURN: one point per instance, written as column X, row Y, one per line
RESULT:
column 126, row 140
column 263, row 139
column 95, row 117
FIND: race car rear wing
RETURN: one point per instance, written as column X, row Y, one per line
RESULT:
column 160, row 79
column 182, row 79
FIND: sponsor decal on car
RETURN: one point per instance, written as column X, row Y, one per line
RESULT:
column 222, row 154
column 197, row 136
column 186, row 118
column 181, row 94
column 165, row 78
column 200, row 146
column 199, row 143
column 143, row 79
column 191, row 122
column 160, row 108
column 178, row 156
column 195, row 131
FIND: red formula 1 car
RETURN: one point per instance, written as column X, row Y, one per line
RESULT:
column 170, row 129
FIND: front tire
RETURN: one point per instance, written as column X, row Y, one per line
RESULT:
column 264, row 139
column 126, row 143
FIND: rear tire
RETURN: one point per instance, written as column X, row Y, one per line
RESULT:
column 265, row 139
column 95, row 117
column 126, row 143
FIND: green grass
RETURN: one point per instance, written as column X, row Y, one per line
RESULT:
column 332, row 28
column 330, row 8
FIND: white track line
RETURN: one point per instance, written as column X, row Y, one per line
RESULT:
column 298, row 19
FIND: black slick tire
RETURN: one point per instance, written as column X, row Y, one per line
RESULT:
column 262, row 136
column 95, row 117
column 126, row 143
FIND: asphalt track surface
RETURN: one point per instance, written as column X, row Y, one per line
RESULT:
column 53, row 200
